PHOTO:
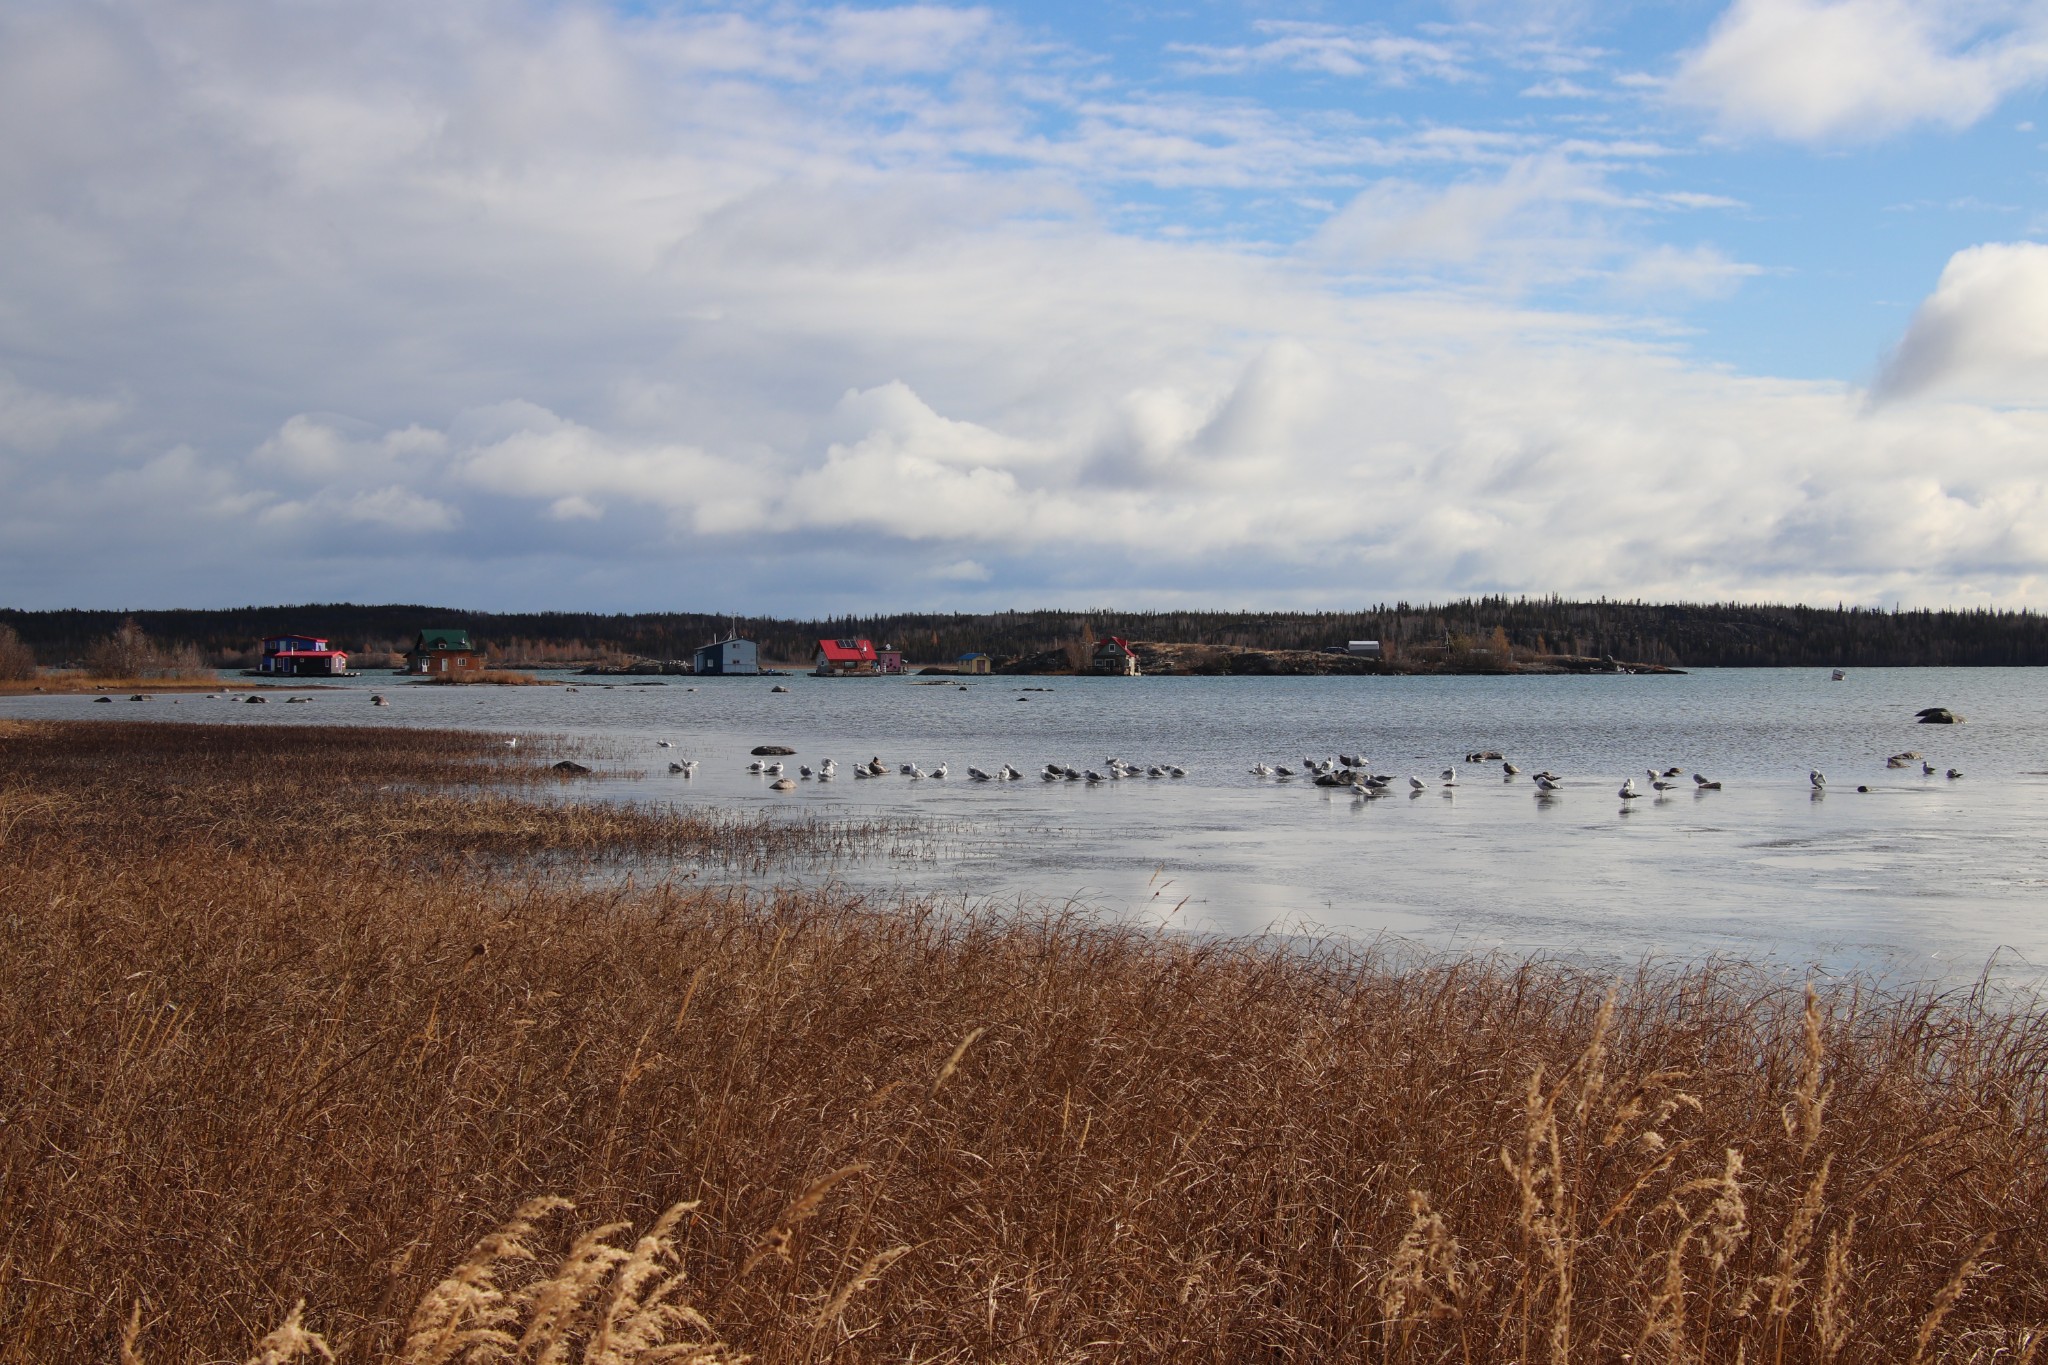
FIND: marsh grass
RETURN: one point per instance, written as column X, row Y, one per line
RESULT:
column 252, row 1065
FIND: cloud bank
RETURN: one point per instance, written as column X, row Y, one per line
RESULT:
column 844, row 309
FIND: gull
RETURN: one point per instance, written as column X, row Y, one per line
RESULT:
column 939, row 771
column 1071, row 774
column 1176, row 771
column 978, row 775
column 1415, row 783
column 1671, row 772
column 1546, row 784
column 677, row 768
column 1509, row 769
column 1094, row 776
column 1954, row 773
column 1450, row 777
column 773, row 770
column 1261, row 770
column 1661, row 785
column 827, row 768
column 906, row 769
column 1818, row 778
column 1155, row 771
column 1282, row 770
column 1010, row 774
column 663, row 744
column 510, row 743
column 913, row 771
column 1927, row 770
column 804, row 770
column 1054, row 770
column 1050, row 775
column 862, row 771
column 1702, row 784
column 1628, row 790
column 756, row 766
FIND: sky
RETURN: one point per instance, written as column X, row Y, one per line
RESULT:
column 805, row 309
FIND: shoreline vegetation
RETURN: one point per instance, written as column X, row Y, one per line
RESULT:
column 1670, row 635
column 311, row 1031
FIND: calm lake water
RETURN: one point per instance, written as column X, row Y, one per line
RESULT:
column 1920, row 878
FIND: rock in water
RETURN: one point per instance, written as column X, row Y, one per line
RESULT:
column 570, row 766
column 782, row 785
column 1939, row 715
column 778, row 749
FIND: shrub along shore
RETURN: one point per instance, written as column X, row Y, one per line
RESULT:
column 302, row 1015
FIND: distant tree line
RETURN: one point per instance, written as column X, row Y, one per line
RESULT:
column 1697, row 635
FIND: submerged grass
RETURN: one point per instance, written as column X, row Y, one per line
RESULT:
column 256, row 1060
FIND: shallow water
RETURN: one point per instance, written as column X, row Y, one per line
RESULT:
column 1921, row 878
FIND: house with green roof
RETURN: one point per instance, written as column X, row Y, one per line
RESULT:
column 444, row 654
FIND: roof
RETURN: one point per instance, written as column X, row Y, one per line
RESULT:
column 971, row 654
column 443, row 639
column 307, row 653
column 847, row 651
column 319, row 641
column 1116, row 640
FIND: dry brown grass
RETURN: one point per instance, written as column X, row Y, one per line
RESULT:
column 248, row 1068
column 494, row 677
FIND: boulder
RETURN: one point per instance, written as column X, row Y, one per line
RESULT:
column 760, row 750
column 1939, row 715
column 570, row 766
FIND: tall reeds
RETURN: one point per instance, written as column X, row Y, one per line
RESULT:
column 252, row 1066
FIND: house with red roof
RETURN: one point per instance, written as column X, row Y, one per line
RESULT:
column 297, row 656
column 839, row 658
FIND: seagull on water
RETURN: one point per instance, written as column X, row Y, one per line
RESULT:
column 1819, row 779
column 1702, row 784
column 1546, row 784
column 1415, row 783
column 1628, row 790
column 1261, row 770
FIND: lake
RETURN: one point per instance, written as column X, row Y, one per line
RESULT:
column 1922, row 878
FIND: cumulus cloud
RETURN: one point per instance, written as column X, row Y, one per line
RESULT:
column 1982, row 334
column 1858, row 70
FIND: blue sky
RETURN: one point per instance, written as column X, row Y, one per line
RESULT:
column 802, row 309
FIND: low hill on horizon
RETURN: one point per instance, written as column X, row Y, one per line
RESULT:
column 1683, row 635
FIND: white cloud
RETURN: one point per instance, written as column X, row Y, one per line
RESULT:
column 1858, row 70
column 546, row 306
column 1982, row 334
column 1330, row 50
